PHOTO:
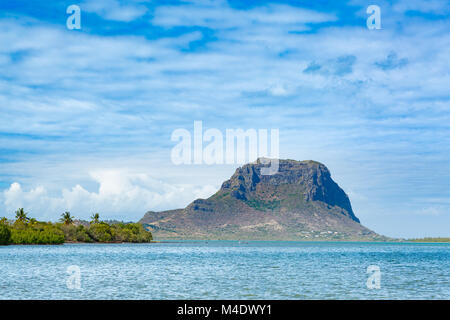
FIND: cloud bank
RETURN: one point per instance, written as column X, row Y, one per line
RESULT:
column 119, row 192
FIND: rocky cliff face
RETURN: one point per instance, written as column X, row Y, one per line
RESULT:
column 300, row 202
column 313, row 178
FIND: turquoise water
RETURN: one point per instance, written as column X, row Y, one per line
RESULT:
column 226, row 270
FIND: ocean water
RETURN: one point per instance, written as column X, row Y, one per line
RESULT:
column 226, row 270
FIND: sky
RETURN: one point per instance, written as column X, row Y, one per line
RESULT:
column 87, row 114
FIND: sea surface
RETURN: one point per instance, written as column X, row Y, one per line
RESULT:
column 226, row 270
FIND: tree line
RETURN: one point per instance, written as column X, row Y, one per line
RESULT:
column 26, row 230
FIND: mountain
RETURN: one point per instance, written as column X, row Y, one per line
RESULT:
column 300, row 202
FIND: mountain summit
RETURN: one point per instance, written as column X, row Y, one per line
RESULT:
column 300, row 202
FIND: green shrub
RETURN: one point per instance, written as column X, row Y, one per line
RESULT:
column 38, row 233
column 5, row 234
column 131, row 232
column 100, row 232
column 82, row 235
column 121, row 234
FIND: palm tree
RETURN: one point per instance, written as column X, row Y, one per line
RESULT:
column 66, row 218
column 21, row 215
column 95, row 218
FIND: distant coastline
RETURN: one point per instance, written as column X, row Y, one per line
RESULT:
column 386, row 240
column 430, row 240
column 28, row 231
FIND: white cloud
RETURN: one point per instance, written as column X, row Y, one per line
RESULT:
column 278, row 90
column 439, row 7
column 114, row 10
column 433, row 210
column 219, row 15
column 121, row 194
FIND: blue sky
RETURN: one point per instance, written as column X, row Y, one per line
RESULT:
column 87, row 114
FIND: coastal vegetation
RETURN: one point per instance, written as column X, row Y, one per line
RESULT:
column 26, row 230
